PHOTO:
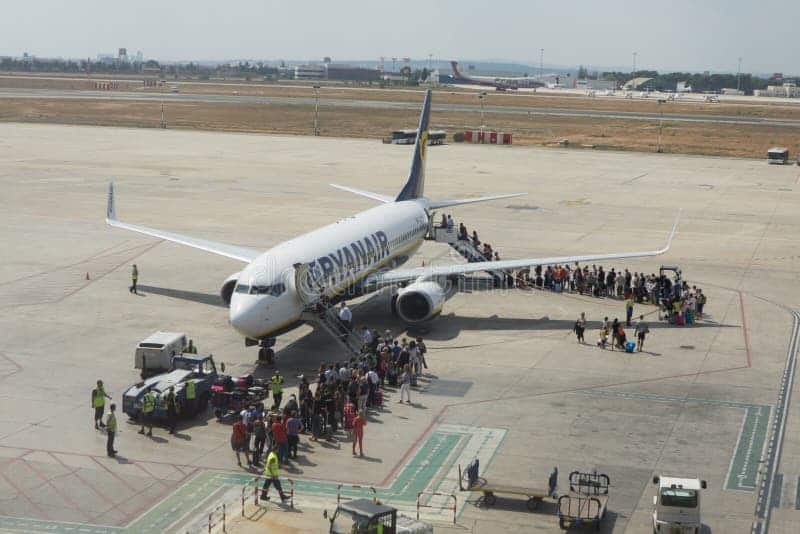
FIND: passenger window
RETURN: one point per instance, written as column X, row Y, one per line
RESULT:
column 242, row 288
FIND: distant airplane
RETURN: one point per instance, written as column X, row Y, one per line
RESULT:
column 501, row 83
column 357, row 255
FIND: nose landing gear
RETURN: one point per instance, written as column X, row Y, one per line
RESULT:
column 266, row 356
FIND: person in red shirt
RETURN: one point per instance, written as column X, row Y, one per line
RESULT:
column 358, row 433
column 281, row 440
column 239, row 441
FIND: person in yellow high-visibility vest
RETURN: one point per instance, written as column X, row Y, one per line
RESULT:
column 277, row 388
column 271, row 473
column 99, row 397
column 191, row 392
column 146, row 413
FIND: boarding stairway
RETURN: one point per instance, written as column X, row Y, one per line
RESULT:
column 464, row 247
column 318, row 311
column 327, row 317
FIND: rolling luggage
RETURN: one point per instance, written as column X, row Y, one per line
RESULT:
column 349, row 416
column 629, row 346
column 378, row 397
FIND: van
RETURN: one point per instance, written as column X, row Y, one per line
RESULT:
column 155, row 353
column 778, row 155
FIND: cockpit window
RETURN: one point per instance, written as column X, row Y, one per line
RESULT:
column 242, row 288
column 274, row 290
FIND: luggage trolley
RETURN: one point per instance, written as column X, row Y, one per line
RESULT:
column 586, row 501
column 474, row 482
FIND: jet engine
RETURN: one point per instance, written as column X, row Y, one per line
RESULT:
column 419, row 302
column 227, row 288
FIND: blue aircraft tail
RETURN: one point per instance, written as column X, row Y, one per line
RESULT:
column 415, row 184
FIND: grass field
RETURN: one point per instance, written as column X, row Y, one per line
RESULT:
column 340, row 121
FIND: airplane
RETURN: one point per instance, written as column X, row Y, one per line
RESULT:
column 498, row 82
column 355, row 256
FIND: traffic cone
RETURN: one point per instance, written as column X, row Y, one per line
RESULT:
column 87, row 275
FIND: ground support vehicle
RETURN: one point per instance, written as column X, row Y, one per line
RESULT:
column 185, row 367
column 676, row 506
column 154, row 354
column 586, row 502
column 365, row 516
column 470, row 480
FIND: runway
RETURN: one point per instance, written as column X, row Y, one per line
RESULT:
column 382, row 104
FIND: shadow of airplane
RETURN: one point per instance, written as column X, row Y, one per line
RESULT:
column 209, row 299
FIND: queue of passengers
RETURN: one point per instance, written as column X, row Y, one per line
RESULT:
column 337, row 401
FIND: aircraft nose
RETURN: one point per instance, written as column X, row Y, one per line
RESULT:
column 247, row 316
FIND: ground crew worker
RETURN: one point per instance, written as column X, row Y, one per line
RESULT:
column 628, row 310
column 172, row 409
column 99, row 397
column 271, row 472
column 111, row 430
column 134, row 280
column 146, row 413
column 190, row 348
column 277, row 388
column 191, row 391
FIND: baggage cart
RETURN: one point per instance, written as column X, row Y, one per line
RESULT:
column 586, row 502
column 470, row 480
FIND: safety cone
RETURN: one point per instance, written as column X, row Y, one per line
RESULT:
column 87, row 275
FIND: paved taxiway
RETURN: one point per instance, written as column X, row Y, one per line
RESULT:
column 379, row 104
column 508, row 383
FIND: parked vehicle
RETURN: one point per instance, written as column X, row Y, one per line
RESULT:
column 778, row 155
column 154, row 354
column 677, row 505
column 185, row 368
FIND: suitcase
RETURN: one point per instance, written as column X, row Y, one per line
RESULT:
column 679, row 320
column 378, row 397
column 629, row 346
column 349, row 415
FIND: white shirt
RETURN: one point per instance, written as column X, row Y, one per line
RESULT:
column 345, row 314
column 373, row 377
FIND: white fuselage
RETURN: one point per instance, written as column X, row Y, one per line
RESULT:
column 265, row 300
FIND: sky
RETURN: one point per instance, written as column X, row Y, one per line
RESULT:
column 666, row 35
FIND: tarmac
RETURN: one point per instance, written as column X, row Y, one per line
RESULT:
column 73, row 94
column 507, row 382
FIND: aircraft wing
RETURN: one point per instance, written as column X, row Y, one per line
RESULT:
column 406, row 275
column 243, row 254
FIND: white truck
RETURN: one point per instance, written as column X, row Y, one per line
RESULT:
column 677, row 505
column 154, row 354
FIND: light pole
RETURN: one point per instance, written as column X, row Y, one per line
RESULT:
column 739, row 75
column 316, row 109
column 660, row 123
column 541, row 62
column 633, row 72
column 430, row 62
column 481, row 97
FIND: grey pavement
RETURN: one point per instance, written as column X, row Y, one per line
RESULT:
column 508, row 383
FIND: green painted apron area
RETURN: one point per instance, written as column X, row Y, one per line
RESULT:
column 743, row 469
column 415, row 476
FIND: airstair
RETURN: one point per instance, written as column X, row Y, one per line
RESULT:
column 464, row 247
column 318, row 311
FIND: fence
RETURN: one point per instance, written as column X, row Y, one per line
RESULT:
column 435, row 494
column 217, row 517
column 354, row 487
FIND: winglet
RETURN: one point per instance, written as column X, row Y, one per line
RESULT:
column 111, row 211
column 672, row 233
